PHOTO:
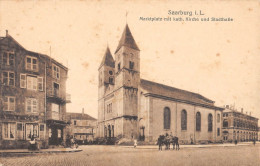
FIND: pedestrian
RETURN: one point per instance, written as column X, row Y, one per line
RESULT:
column 235, row 142
column 160, row 142
column 33, row 144
column 254, row 142
column 135, row 143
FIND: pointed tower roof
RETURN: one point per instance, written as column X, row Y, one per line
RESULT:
column 127, row 40
column 108, row 59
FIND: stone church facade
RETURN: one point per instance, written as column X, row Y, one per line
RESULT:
column 134, row 108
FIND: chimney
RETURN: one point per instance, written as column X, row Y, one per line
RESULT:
column 250, row 113
column 246, row 112
column 6, row 32
column 82, row 111
column 227, row 106
column 242, row 110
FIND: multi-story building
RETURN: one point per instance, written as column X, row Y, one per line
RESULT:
column 82, row 126
column 32, row 96
column 239, row 126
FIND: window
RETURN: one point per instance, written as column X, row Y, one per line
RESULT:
column 166, row 118
column 19, row 126
column 42, row 131
column 31, row 105
column 56, row 89
column 183, row 120
column 218, row 118
column 210, row 122
column 225, row 123
column 56, row 71
column 111, row 80
column 8, row 78
column 55, row 111
column 110, row 72
column 109, row 108
column 20, row 131
column 9, row 103
column 42, row 127
column 31, row 63
column 131, row 65
column 8, row 58
column 75, row 122
column 31, row 83
column 9, row 131
column 32, row 130
column 118, row 66
column 198, row 121
column 40, row 83
column 218, row 131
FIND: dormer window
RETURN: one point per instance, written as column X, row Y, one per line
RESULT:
column 56, row 71
column 131, row 65
column 31, row 63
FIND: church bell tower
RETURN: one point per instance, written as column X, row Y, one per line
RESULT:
column 127, row 79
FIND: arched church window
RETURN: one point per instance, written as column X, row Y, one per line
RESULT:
column 184, row 120
column 198, row 121
column 210, row 122
column 167, row 118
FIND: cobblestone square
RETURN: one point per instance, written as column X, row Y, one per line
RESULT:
column 127, row 156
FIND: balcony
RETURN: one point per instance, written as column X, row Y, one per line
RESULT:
column 56, row 95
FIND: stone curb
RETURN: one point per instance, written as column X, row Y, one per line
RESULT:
column 190, row 146
column 40, row 151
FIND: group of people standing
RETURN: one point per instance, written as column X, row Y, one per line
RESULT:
column 167, row 140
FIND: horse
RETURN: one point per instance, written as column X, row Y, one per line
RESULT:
column 167, row 142
column 175, row 142
column 160, row 141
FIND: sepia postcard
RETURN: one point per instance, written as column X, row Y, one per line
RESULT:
column 122, row 83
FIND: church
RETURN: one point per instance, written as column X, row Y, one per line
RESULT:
column 135, row 108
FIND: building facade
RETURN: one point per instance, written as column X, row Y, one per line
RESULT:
column 131, row 107
column 32, row 96
column 82, row 127
column 239, row 126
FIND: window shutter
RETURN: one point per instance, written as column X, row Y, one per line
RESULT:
column 23, row 80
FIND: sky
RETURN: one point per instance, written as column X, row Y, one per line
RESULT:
column 220, row 60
